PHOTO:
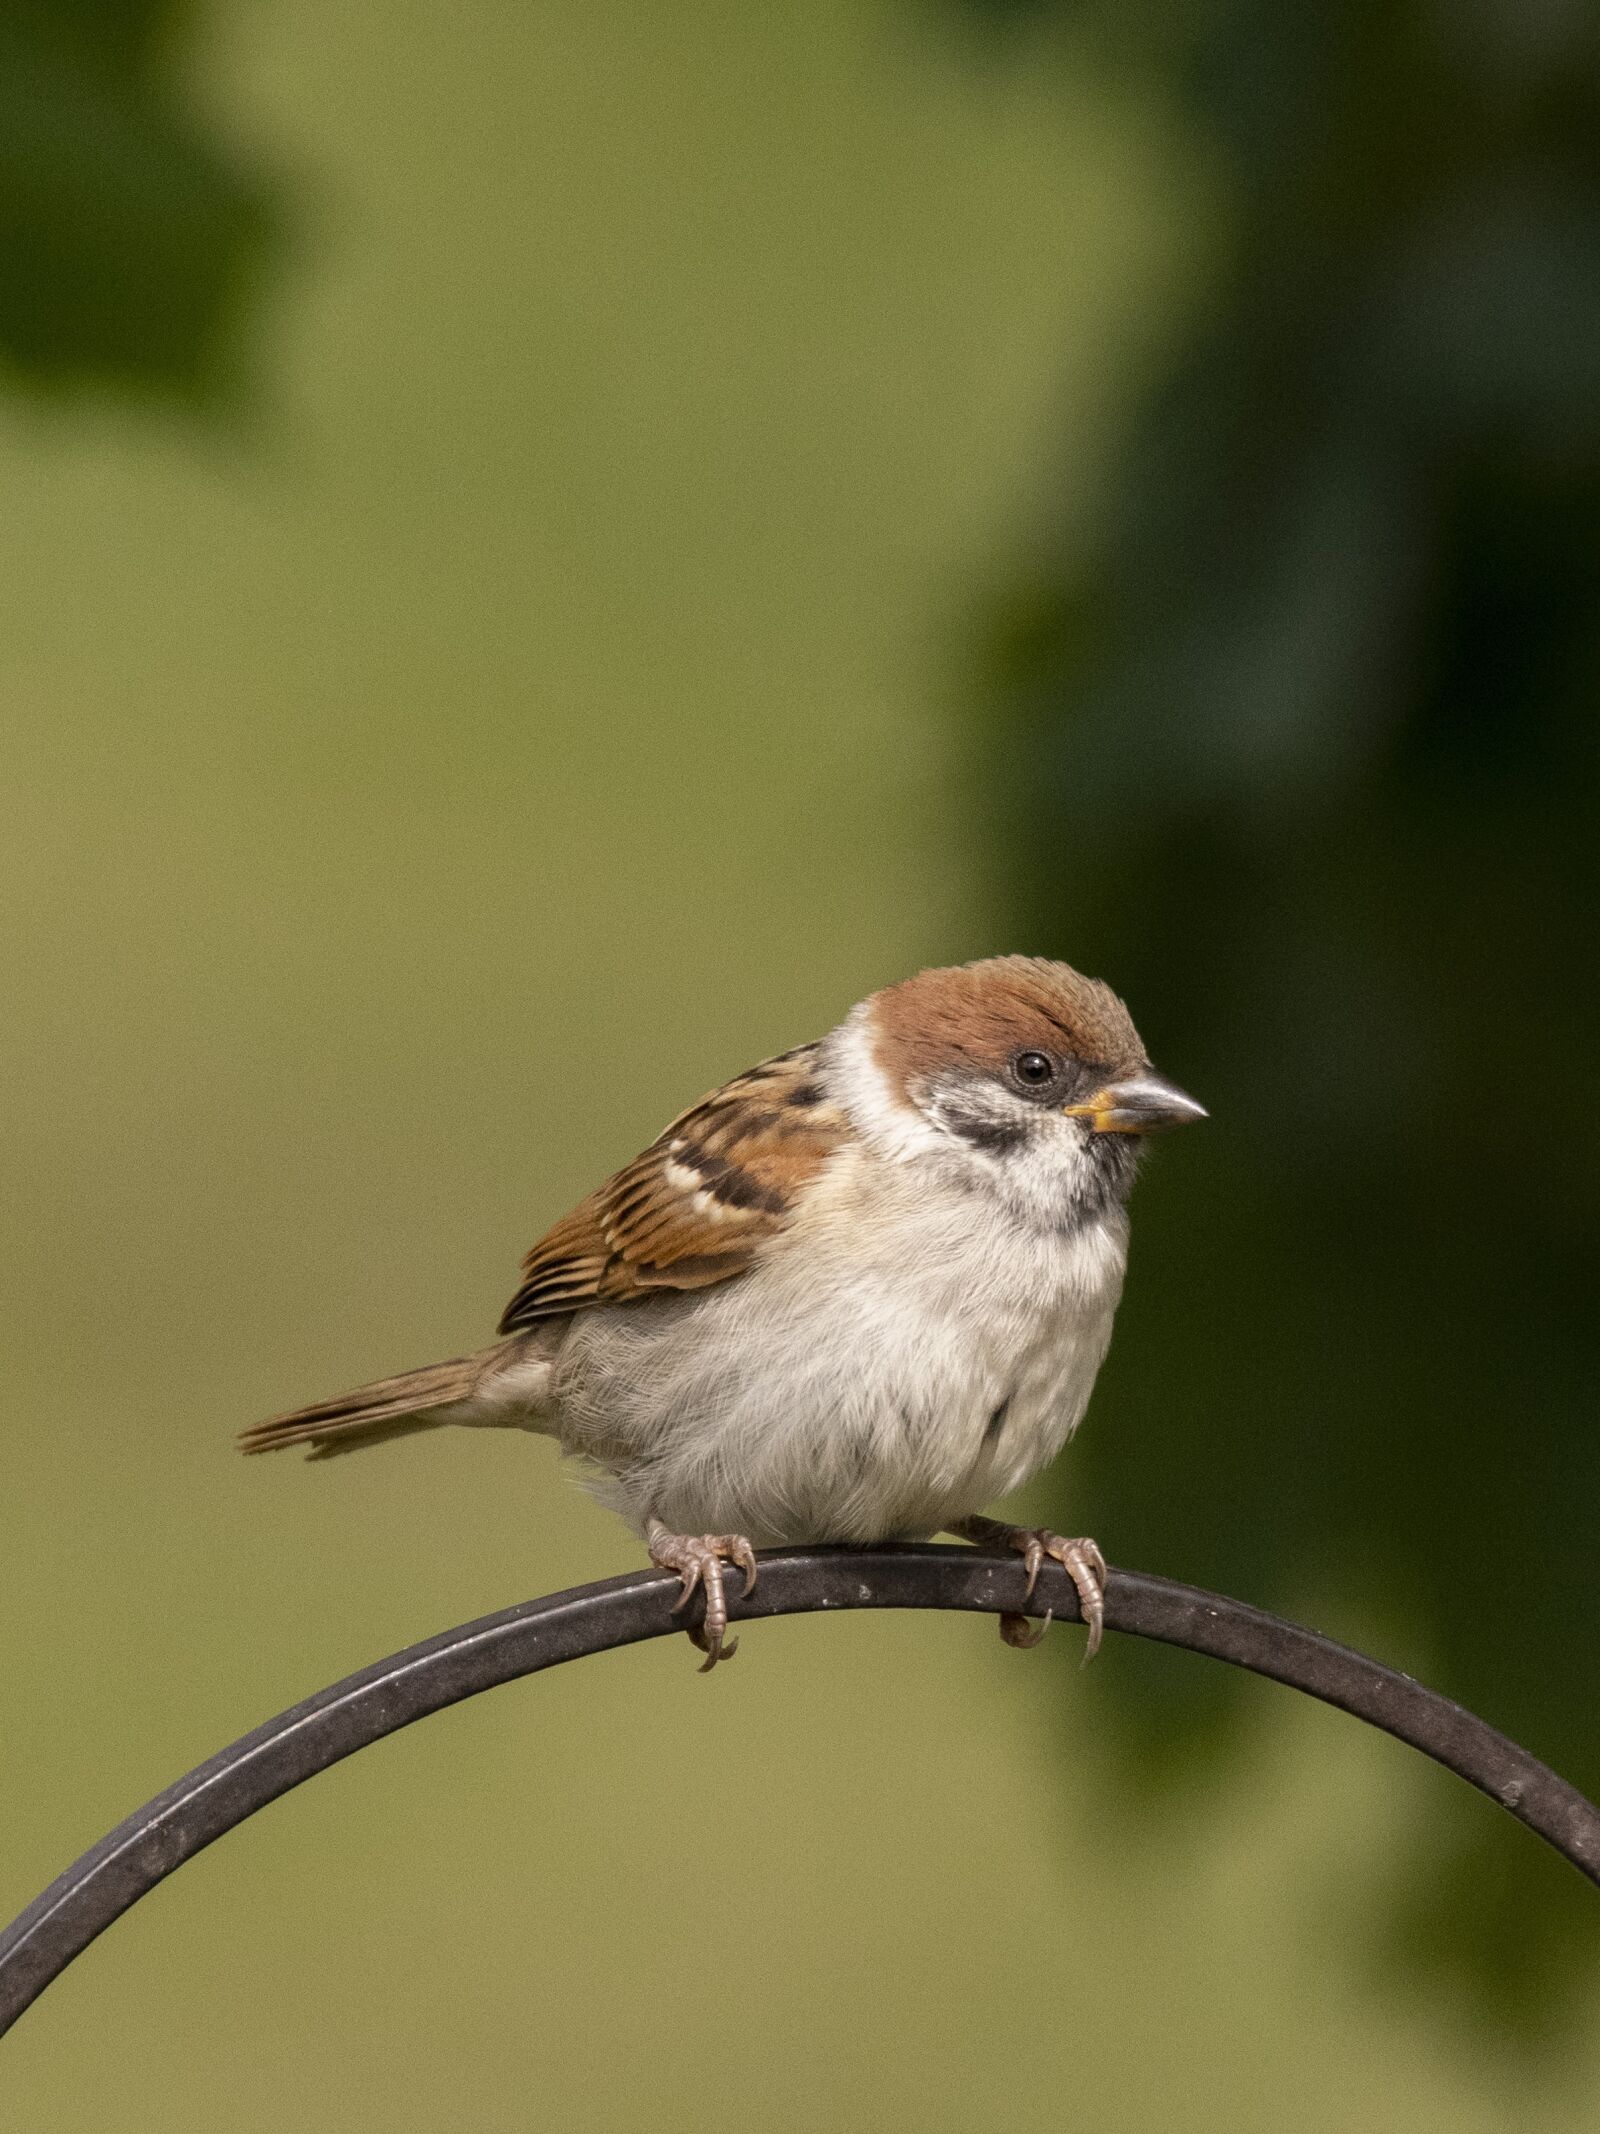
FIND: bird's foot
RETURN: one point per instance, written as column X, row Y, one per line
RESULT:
column 698, row 1560
column 1084, row 1565
column 1080, row 1559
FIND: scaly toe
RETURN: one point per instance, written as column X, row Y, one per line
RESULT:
column 1086, row 1567
column 699, row 1559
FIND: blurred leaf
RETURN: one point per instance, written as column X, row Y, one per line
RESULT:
column 129, row 243
column 1301, row 749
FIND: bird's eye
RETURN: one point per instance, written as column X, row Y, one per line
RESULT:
column 1033, row 1069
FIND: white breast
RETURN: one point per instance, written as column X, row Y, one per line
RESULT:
column 904, row 1355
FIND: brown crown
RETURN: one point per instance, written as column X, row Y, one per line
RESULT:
column 982, row 1014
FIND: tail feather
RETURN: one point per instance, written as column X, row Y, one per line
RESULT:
column 389, row 1408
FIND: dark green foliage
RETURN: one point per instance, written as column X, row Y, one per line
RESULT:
column 128, row 239
column 1302, row 749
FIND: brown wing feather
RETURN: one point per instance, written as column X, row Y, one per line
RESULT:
column 697, row 1206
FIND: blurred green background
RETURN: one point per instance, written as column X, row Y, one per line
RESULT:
column 546, row 550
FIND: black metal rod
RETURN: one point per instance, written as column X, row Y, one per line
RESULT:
column 425, row 1678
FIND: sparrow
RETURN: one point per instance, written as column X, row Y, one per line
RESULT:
column 852, row 1296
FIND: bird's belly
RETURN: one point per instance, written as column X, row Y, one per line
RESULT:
column 851, row 1416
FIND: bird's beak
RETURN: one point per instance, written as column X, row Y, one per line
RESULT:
column 1140, row 1104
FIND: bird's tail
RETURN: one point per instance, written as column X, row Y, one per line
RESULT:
column 498, row 1385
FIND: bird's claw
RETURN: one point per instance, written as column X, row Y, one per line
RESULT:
column 1084, row 1565
column 698, row 1560
column 1017, row 1631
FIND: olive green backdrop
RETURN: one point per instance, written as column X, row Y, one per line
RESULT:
column 492, row 649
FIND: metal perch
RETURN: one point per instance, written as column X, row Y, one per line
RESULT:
column 363, row 1708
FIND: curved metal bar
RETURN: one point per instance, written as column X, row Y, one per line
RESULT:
column 425, row 1678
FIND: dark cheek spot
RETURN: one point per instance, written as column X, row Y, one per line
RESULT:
column 996, row 1137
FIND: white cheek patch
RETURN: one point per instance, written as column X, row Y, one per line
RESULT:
column 891, row 1127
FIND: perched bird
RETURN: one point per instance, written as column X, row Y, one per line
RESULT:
column 852, row 1296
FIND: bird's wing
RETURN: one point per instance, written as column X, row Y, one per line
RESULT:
column 698, row 1205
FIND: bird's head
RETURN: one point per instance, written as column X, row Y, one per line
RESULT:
column 1022, row 1071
